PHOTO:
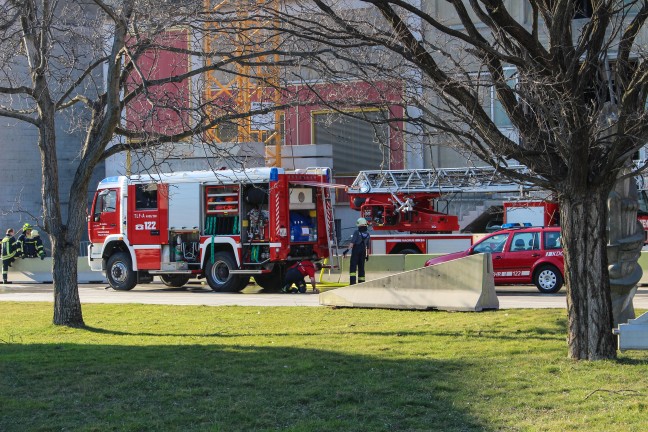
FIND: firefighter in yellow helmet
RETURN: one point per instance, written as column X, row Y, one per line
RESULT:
column 8, row 253
column 359, row 245
column 20, row 244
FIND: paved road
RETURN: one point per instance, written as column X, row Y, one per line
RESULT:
column 196, row 294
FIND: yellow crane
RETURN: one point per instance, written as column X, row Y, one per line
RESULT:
column 251, row 35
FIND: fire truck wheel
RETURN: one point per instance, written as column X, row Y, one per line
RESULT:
column 120, row 272
column 409, row 252
column 243, row 282
column 548, row 279
column 271, row 282
column 174, row 281
column 219, row 277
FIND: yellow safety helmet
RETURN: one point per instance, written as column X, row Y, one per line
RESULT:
column 26, row 227
column 361, row 222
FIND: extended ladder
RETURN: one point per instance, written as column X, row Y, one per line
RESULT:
column 331, row 236
column 442, row 180
column 329, row 220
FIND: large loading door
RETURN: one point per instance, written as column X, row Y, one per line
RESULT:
column 184, row 206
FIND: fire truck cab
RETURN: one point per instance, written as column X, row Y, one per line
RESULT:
column 223, row 225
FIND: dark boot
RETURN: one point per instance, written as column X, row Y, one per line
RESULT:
column 352, row 280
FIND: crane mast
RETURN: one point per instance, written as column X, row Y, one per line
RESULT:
column 253, row 84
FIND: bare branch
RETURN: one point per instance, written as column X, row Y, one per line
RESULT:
column 22, row 116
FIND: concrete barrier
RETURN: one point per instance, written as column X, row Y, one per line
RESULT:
column 633, row 335
column 40, row 271
column 465, row 284
column 378, row 266
column 417, row 261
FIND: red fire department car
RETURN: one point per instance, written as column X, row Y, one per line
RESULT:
column 521, row 256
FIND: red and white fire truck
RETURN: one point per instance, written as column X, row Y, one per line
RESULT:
column 405, row 203
column 224, row 225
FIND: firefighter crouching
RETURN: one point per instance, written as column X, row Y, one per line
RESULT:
column 8, row 254
column 297, row 274
column 359, row 246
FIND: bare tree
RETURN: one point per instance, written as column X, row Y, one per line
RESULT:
column 94, row 67
column 570, row 78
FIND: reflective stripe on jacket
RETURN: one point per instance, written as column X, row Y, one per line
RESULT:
column 20, row 244
column 33, row 247
column 8, row 247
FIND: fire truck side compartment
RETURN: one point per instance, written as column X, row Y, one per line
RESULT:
column 184, row 206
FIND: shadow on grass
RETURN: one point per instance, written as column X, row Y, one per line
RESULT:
column 149, row 334
column 536, row 334
column 228, row 388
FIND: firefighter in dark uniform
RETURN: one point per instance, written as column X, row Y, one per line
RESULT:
column 297, row 274
column 33, row 246
column 359, row 246
column 8, row 253
column 20, row 244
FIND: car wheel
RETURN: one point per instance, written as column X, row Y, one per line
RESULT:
column 120, row 272
column 548, row 279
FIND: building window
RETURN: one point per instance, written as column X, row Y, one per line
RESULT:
column 360, row 141
column 489, row 101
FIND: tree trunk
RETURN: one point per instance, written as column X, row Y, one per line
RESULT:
column 67, row 304
column 589, row 307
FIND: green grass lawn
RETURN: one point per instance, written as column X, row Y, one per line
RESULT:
column 161, row 368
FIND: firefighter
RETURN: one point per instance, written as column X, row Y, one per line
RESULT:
column 20, row 244
column 297, row 273
column 33, row 247
column 359, row 246
column 8, row 253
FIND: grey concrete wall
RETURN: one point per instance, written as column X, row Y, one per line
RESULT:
column 190, row 157
column 40, row 271
column 305, row 156
column 20, row 173
column 20, row 163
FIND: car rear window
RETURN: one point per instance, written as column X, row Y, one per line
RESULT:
column 525, row 241
column 552, row 240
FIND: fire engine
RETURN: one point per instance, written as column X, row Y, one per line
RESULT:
column 225, row 225
column 540, row 213
column 405, row 201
